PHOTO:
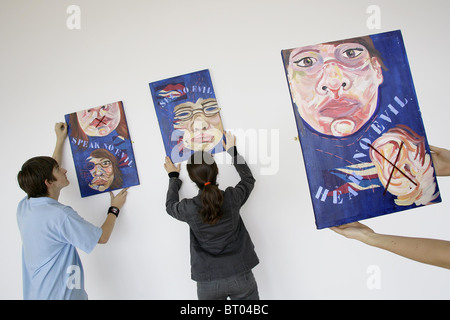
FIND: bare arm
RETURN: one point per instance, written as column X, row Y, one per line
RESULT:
column 108, row 226
column 429, row 251
column 61, row 134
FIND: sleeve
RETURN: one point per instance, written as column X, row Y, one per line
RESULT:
column 173, row 205
column 242, row 190
column 79, row 232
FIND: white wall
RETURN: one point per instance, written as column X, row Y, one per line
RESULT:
column 48, row 70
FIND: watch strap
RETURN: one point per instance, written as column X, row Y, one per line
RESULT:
column 114, row 210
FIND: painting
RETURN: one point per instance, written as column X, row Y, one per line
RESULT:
column 102, row 149
column 360, row 128
column 188, row 115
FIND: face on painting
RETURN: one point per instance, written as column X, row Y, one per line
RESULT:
column 335, row 86
column 412, row 179
column 201, row 124
column 99, row 121
column 102, row 172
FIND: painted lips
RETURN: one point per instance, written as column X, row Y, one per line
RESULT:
column 203, row 138
column 100, row 121
column 99, row 181
column 339, row 108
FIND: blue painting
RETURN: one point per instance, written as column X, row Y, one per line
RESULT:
column 188, row 115
column 360, row 128
column 102, row 149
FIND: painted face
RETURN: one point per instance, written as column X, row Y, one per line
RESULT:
column 99, row 121
column 412, row 181
column 201, row 124
column 102, row 173
column 335, row 87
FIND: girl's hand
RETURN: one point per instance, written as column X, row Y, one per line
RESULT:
column 231, row 140
column 170, row 167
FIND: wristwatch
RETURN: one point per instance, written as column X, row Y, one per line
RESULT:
column 114, row 210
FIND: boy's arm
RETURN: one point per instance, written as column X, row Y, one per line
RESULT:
column 61, row 134
column 117, row 201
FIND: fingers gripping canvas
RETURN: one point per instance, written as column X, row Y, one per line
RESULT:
column 188, row 115
column 102, row 149
column 360, row 128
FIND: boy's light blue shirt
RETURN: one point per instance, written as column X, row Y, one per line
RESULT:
column 50, row 233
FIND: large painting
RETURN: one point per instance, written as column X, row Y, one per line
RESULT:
column 360, row 128
column 188, row 115
column 102, row 149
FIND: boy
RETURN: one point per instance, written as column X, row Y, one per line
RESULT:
column 51, row 231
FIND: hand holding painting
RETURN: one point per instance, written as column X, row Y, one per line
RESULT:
column 230, row 140
column 429, row 251
column 441, row 160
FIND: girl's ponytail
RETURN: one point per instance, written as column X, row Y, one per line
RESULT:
column 203, row 172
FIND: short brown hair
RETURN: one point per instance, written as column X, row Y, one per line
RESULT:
column 33, row 174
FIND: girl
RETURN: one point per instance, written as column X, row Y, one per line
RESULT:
column 222, row 253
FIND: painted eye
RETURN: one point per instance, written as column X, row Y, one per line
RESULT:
column 306, row 62
column 183, row 115
column 211, row 109
column 352, row 53
column 105, row 163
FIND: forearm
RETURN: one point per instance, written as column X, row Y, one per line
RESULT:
column 107, row 228
column 429, row 251
column 241, row 166
column 61, row 134
column 57, row 153
column 173, row 197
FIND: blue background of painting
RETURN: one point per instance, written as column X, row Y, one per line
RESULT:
column 369, row 203
column 165, row 113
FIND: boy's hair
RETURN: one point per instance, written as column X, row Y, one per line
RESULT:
column 33, row 175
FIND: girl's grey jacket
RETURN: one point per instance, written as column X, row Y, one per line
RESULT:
column 224, row 249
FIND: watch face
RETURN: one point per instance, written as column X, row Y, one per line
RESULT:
column 360, row 128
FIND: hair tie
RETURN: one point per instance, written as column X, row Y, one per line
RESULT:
column 206, row 183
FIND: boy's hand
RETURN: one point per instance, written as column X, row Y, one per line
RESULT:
column 61, row 130
column 119, row 199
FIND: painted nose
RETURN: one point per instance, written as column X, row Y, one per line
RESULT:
column 98, row 171
column 199, row 123
column 333, row 81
